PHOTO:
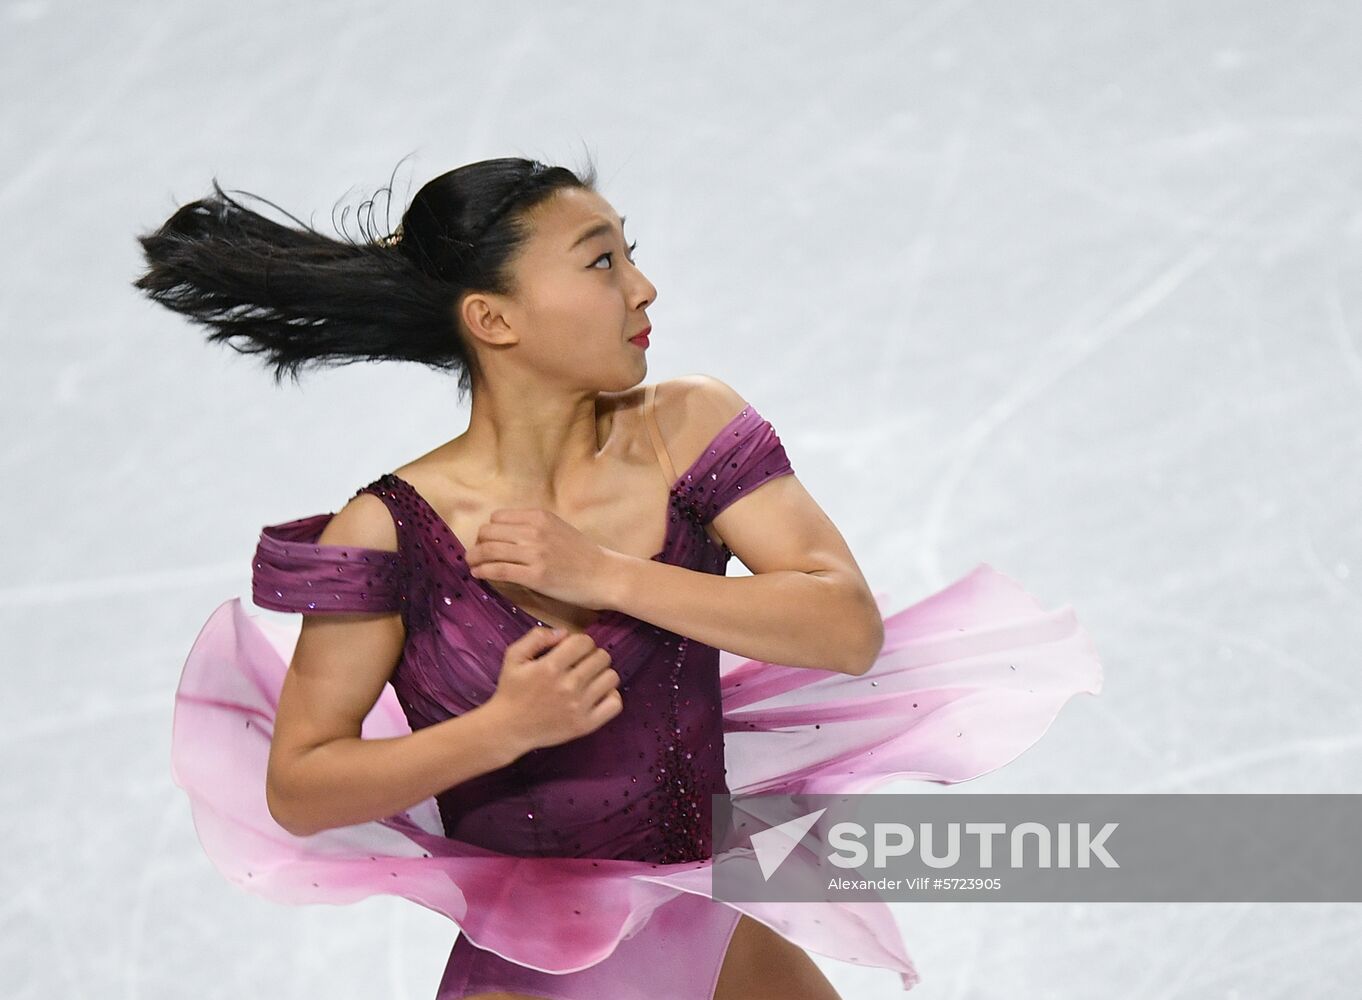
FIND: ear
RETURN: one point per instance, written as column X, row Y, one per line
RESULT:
column 483, row 315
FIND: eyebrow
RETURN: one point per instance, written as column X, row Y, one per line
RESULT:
column 599, row 229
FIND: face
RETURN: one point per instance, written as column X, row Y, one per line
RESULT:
column 579, row 299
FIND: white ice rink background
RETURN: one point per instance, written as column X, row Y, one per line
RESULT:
column 1069, row 288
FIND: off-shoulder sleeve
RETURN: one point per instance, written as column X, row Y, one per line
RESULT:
column 745, row 454
column 293, row 573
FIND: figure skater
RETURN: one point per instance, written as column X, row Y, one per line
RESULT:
column 521, row 671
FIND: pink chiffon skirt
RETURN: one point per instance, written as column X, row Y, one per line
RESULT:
column 968, row 678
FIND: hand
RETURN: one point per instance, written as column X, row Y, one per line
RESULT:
column 553, row 687
column 538, row 550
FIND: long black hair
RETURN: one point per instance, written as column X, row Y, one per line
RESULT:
column 303, row 298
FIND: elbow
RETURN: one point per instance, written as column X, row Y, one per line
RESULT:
column 278, row 812
column 861, row 666
column 861, row 639
column 863, row 647
column 282, row 809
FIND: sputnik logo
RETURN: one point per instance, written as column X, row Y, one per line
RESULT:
column 773, row 846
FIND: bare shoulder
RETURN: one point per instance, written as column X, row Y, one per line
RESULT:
column 691, row 410
column 364, row 522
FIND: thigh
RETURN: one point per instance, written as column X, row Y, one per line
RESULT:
column 762, row 965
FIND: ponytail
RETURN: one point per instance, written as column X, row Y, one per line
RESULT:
column 302, row 298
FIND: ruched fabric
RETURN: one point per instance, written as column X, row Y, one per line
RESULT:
column 293, row 574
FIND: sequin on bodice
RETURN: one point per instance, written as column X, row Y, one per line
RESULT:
column 637, row 788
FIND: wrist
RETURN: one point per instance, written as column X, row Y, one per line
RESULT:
column 500, row 733
column 617, row 579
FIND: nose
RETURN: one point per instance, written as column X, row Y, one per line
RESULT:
column 644, row 292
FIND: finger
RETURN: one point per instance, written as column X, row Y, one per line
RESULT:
column 513, row 515
column 607, row 708
column 489, row 532
column 503, row 572
column 498, row 550
column 601, row 685
column 538, row 639
column 591, row 661
column 573, row 648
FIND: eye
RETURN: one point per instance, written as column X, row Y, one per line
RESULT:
column 610, row 254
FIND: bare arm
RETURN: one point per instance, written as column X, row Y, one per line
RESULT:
column 322, row 774
column 807, row 603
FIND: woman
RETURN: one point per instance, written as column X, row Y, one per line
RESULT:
column 506, row 700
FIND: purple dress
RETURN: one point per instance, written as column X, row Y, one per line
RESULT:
column 582, row 870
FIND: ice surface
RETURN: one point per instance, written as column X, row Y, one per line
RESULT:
column 1088, row 273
